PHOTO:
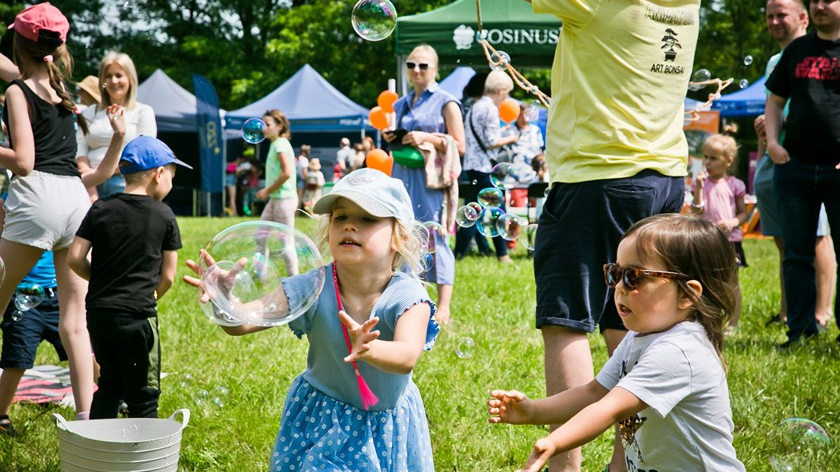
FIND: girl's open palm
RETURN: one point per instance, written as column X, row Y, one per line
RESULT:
column 360, row 336
column 222, row 279
column 509, row 407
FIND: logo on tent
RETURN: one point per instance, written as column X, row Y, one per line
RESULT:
column 463, row 37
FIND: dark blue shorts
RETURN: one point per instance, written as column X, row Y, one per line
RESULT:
column 24, row 331
column 579, row 231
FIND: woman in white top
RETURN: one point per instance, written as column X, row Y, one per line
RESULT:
column 118, row 85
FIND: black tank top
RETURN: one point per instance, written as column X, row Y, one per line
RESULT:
column 53, row 128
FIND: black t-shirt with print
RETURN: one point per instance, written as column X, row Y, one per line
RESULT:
column 808, row 74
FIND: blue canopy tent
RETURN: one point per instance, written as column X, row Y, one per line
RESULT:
column 310, row 103
column 743, row 103
column 455, row 82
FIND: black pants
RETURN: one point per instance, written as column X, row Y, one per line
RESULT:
column 128, row 352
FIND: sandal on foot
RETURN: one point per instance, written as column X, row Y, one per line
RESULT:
column 777, row 318
column 6, row 426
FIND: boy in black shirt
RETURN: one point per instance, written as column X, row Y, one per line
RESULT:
column 134, row 240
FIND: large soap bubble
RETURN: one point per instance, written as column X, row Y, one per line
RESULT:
column 248, row 262
column 488, row 221
column 253, row 130
column 28, row 296
column 374, row 20
column 491, row 197
column 799, row 445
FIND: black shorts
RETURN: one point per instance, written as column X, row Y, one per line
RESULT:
column 579, row 231
column 24, row 331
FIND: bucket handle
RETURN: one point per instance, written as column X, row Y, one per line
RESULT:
column 61, row 422
column 185, row 417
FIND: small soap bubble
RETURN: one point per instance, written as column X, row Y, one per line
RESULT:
column 17, row 315
column 201, row 397
column 799, row 445
column 491, row 197
column 509, row 227
column 218, row 402
column 427, row 261
column 466, row 216
column 464, row 349
column 220, row 391
column 253, row 130
column 501, row 175
column 700, row 75
column 743, row 83
column 499, row 59
column 185, row 380
column 528, row 236
column 532, row 114
column 487, row 223
column 374, row 20
column 28, row 296
column 251, row 259
column 475, row 206
column 748, row 60
column 435, row 230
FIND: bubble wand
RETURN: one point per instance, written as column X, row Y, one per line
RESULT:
column 500, row 60
column 694, row 114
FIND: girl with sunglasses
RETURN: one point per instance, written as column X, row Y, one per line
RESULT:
column 665, row 385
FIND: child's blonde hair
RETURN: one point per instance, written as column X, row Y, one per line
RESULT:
column 698, row 249
column 410, row 242
column 723, row 144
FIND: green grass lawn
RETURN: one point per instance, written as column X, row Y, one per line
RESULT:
column 494, row 306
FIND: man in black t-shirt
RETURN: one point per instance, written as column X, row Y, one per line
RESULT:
column 808, row 161
column 133, row 239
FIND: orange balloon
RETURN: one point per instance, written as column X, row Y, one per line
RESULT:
column 509, row 110
column 379, row 160
column 386, row 101
column 378, row 118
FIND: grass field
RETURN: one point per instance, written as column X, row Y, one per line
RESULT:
column 494, row 306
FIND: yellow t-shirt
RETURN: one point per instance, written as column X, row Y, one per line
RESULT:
column 618, row 82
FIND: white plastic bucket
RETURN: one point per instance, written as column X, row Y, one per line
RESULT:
column 121, row 445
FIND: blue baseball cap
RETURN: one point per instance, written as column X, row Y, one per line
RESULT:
column 144, row 153
column 374, row 191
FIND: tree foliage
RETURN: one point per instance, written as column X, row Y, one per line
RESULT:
column 247, row 48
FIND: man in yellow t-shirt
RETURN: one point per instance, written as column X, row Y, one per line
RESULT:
column 616, row 154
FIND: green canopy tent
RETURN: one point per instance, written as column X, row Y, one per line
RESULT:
column 511, row 26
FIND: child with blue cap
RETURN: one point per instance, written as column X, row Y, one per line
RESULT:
column 133, row 239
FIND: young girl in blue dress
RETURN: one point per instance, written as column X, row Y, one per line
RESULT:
column 367, row 330
column 665, row 384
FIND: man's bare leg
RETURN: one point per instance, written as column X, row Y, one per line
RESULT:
column 568, row 363
column 826, row 269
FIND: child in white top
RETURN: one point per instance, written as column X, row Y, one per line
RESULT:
column 314, row 184
column 719, row 198
column 373, row 301
column 665, row 385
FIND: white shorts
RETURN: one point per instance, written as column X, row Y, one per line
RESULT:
column 280, row 211
column 45, row 210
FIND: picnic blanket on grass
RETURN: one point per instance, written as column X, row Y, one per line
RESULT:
column 45, row 384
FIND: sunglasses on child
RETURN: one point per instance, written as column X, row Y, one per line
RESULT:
column 422, row 65
column 631, row 275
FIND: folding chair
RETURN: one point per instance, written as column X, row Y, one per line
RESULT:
column 535, row 190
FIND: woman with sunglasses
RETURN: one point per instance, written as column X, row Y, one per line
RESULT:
column 429, row 115
column 665, row 385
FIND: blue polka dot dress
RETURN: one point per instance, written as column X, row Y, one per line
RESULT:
column 324, row 425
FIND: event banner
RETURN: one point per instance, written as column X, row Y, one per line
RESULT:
column 210, row 134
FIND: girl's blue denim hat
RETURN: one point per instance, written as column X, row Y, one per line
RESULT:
column 375, row 192
column 144, row 153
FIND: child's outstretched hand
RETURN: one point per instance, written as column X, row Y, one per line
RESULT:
column 360, row 336
column 510, row 407
column 223, row 279
column 542, row 452
column 116, row 116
